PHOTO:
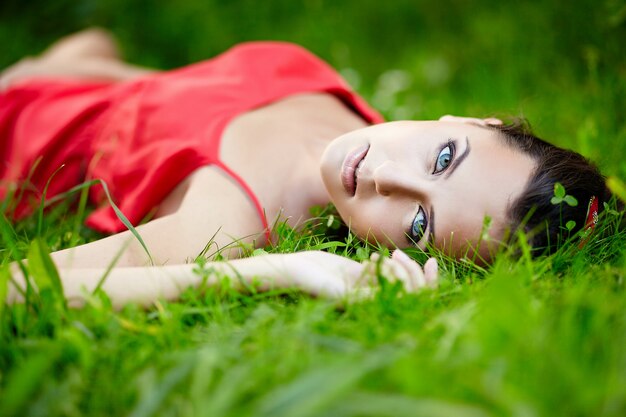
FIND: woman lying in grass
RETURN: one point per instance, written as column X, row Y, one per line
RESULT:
column 220, row 150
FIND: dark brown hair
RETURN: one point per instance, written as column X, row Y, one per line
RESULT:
column 533, row 211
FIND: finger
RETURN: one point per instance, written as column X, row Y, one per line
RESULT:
column 431, row 272
column 394, row 270
column 415, row 271
column 390, row 269
column 493, row 121
column 367, row 276
column 353, row 275
column 461, row 119
column 490, row 121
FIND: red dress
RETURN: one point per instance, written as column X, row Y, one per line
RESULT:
column 143, row 137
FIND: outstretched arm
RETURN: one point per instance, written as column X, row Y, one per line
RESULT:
column 314, row 272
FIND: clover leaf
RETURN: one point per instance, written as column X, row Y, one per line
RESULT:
column 560, row 196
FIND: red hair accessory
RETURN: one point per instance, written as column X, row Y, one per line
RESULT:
column 592, row 220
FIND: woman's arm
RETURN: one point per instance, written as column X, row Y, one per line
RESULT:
column 314, row 272
column 201, row 220
column 165, row 238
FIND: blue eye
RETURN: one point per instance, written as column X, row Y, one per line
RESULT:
column 444, row 158
column 418, row 228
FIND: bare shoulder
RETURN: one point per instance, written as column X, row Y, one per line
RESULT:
column 213, row 208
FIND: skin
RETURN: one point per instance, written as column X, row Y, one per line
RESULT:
column 395, row 179
column 398, row 176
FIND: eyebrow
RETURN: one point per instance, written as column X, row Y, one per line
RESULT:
column 457, row 161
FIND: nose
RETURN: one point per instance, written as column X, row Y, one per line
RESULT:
column 391, row 178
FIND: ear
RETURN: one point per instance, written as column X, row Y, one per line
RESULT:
column 491, row 121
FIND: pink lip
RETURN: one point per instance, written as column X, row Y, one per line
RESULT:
column 348, row 168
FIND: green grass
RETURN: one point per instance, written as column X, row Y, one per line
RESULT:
column 526, row 337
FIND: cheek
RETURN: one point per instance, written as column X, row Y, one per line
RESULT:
column 460, row 232
column 378, row 221
column 456, row 238
column 329, row 172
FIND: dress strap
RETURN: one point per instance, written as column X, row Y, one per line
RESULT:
column 255, row 200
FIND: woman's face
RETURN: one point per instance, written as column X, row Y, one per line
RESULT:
column 406, row 183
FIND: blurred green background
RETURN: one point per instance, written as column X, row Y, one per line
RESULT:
column 561, row 64
column 527, row 338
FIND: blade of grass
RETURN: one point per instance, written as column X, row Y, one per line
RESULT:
column 43, row 270
column 617, row 187
column 125, row 221
column 25, row 380
column 327, row 245
column 64, row 195
column 4, row 288
column 80, row 211
column 151, row 400
column 313, row 392
column 43, row 200
column 24, row 184
column 392, row 405
column 9, row 197
column 110, row 267
column 114, row 206
column 8, row 237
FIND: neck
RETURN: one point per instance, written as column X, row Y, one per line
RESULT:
column 278, row 149
column 303, row 187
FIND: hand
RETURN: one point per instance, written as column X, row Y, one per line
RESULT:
column 404, row 269
column 334, row 276
column 490, row 121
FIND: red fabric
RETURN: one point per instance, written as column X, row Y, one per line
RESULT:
column 145, row 136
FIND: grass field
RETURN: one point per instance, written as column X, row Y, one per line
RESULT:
column 525, row 337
